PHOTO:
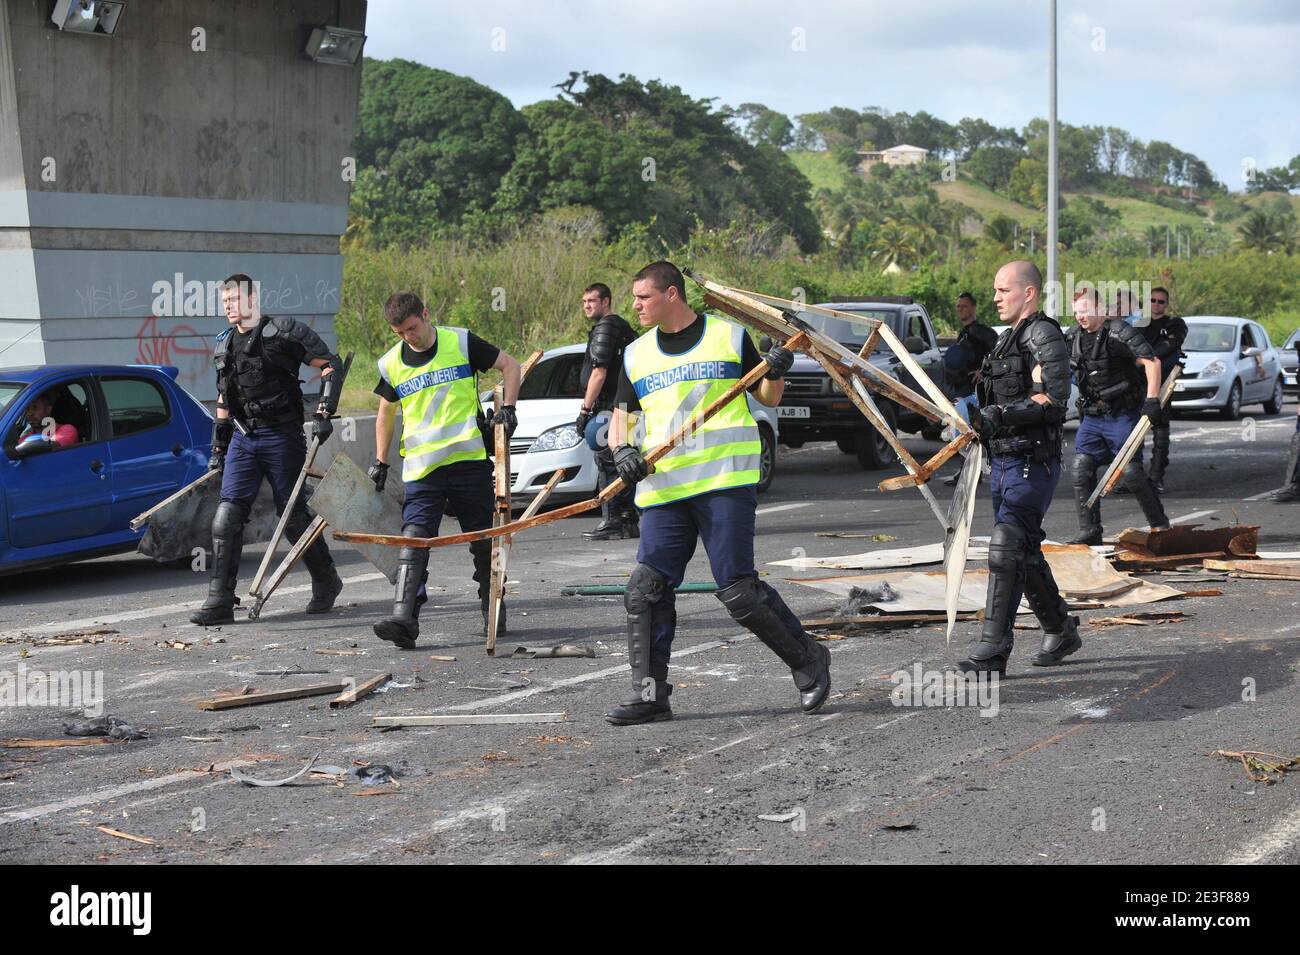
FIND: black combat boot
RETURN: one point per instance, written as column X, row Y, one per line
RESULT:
column 1006, row 585
column 648, row 701
column 403, row 627
column 1291, row 490
column 227, row 546
column 1060, row 630
column 1085, row 481
column 1136, row 480
column 759, row 609
column 1160, row 454
column 325, row 582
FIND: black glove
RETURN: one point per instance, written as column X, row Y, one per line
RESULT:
column 223, row 430
column 506, row 416
column 779, row 360
column 217, row 460
column 583, row 419
column 1153, row 411
column 630, row 464
column 990, row 420
column 378, row 472
column 321, row 428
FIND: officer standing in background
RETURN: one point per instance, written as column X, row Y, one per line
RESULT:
column 432, row 374
column 609, row 335
column 1165, row 334
column 704, row 488
column 257, row 360
column 974, row 342
column 1119, row 381
column 1023, row 392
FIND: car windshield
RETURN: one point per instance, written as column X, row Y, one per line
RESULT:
column 9, row 390
column 842, row 330
column 1290, row 342
column 1210, row 337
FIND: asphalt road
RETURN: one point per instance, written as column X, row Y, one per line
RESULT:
column 1106, row 759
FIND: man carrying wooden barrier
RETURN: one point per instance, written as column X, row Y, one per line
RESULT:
column 432, row 374
column 704, row 488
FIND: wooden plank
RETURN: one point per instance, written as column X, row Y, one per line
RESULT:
column 528, row 364
column 275, row 696
column 1134, row 441
column 139, row 520
column 1279, row 568
column 119, row 834
column 501, row 516
column 870, row 344
column 886, row 621
column 24, row 743
column 539, row 499
column 265, row 565
column 470, row 719
column 929, row 467
column 611, row 490
column 313, row 532
column 360, row 691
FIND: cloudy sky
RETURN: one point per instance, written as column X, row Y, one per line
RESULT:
column 1218, row 78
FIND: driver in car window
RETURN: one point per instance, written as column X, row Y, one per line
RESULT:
column 43, row 430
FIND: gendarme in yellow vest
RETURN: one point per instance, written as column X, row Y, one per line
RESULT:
column 725, row 452
column 439, row 405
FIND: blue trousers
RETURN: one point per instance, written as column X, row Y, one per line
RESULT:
column 724, row 521
column 1101, row 436
column 467, row 487
column 1022, row 496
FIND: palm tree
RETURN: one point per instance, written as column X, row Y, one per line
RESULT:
column 1261, row 232
column 1002, row 230
column 894, row 244
column 1153, row 237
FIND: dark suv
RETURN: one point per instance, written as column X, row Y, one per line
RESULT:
column 814, row 408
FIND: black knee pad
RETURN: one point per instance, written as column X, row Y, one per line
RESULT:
column 1135, row 479
column 1085, row 470
column 1007, row 548
column 230, row 518
column 743, row 597
column 297, row 523
column 413, row 555
column 645, row 588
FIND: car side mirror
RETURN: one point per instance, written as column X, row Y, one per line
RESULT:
column 30, row 449
column 914, row 344
column 765, row 343
column 1251, row 352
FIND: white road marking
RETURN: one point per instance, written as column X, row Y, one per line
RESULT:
column 783, row 507
column 115, row 792
column 573, row 681
column 605, row 856
column 1190, row 517
column 146, row 612
column 1260, row 496
column 1282, row 836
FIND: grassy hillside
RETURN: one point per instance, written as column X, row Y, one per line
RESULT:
column 983, row 200
column 819, row 168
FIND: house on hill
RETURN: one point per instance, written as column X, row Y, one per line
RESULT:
column 900, row 155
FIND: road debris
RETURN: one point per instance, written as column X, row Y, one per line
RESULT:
column 442, row 658
column 1140, row 619
column 248, row 698
column 253, row 781
column 22, row 743
column 1259, row 766
column 360, row 691
column 559, row 650
column 119, row 834
column 1183, row 544
column 109, row 726
column 782, row 816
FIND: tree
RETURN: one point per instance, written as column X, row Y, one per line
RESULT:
column 1002, row 230
column 893, row 244
column 431, row 147
column 1028, row 183
column 993, row 165
column 760, row 125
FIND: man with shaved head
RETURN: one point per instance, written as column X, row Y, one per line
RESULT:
column 1023, row 392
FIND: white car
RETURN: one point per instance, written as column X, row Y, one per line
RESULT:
column 1230, row 363
column 545, row 441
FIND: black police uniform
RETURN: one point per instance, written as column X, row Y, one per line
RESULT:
column 257, row 382
column 1023, row 438
column 1112, row 387
column 609, row 335
column 1166, row 337
column 973, row 344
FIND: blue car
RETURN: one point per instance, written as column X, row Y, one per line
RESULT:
column 121, row 438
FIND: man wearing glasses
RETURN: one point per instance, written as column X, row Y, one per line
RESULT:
column 1165, row 334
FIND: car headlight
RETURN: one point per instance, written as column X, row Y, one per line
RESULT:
column 835, row 387
column 1214, row 369
column 556, row 439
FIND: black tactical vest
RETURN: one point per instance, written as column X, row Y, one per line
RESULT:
column 1107, row 382
column 260, row 378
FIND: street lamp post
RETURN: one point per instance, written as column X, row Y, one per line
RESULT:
column 1051, row 169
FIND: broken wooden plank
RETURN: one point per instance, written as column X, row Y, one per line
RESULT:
column 936, row 461
column 1267, row 568
column 1132, row 443
column 139, row 520
column 1244, row 576
column 470, row 719
column 501, row 516
column 275, row 696
column 614, row 488
column 313, row 532
column 360, row 691
column 24, row 743
column 536, row 503
column 887, row 621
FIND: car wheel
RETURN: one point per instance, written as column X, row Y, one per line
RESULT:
column 1274, row 404
column 1231, row 411
column 873, row 451
column 848, row 445
column 766, row 458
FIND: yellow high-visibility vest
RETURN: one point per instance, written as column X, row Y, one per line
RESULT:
column 725, row 451
column 439, row 405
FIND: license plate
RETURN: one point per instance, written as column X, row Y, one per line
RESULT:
column 785, row 411
column 1180, row 386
